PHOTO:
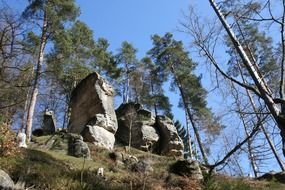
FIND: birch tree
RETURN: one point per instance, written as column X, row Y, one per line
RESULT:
column 50, row 16
column 275, row 104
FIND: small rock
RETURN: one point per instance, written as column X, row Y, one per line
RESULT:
column 78, row 148
column 5, row 181
column 129, row 161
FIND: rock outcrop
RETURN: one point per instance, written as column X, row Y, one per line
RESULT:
column 132, row 117
column 170, row 142
column 92, row 111
column 147, row 133
column 49, row 123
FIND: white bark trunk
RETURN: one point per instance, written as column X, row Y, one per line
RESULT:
column 35, row 89
column 251, row 67
column 271, row 144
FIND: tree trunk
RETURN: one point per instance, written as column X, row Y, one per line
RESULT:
column 190, row 115
column 189, row 140
column 154, row 104
column 252, row 68
column 66, row 114
column 271, row 144
column 130, row 135
column 35, row 89
column 249, row 146
column 23, row 122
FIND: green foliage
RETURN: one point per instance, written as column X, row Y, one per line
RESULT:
column 8, row 146
column 258, row 45
column 183, row 134
column 58, row 13
column 175, row 62
column 127, row 61
column 69, row 58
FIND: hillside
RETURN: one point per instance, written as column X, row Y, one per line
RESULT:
column 39, row 168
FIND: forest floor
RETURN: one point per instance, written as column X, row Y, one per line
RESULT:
column 46, row 169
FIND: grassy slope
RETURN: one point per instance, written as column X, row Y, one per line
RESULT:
column 45, row 169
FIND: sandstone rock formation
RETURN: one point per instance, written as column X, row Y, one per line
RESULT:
column 99, row 136
column 48, row 126
column 170, row 144
column 141, row 122
column 49, row 123
column 147, row 133
column 92, row 107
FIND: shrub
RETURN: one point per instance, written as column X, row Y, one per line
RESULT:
column 8, row 145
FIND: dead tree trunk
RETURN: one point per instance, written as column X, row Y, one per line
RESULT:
column 263, row 90
column 249, row 145
column 251, row 156
column 271, row 144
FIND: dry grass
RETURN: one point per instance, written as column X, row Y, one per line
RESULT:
column 46, row 169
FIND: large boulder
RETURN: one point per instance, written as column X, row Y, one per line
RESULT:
column 92, row 104
column 133, row 117
column 5, row 181
column 98, row 136
column 170, row 142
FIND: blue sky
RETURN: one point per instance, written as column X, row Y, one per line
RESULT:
column 135, row 21
column 132, row 20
